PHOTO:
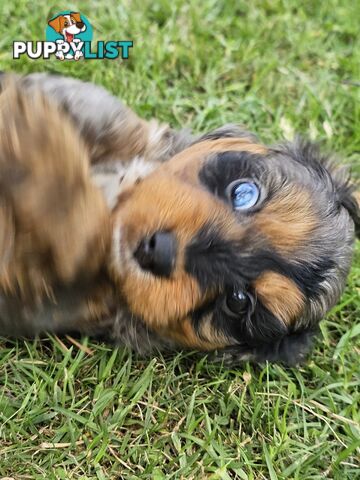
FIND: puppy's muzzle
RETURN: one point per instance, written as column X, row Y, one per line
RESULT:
column 80, row 24
column 157, row 253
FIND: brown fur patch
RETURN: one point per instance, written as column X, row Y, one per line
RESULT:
column 357, row 198
column 129, row 136
column 229, row 144
column 7, row 233
column 62, row 222
column 184, row 334
column 280, row 295
column 178, row 207
column 288, row 219
column 187, row 163
column 124, row 139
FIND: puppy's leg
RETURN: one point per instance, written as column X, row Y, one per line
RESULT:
column 111, row 130
column 7, row 234
column 56, row 221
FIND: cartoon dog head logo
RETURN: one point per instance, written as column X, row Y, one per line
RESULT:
column 68, row 36
column 69, row 27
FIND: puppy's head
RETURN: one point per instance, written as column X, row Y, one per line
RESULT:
column 68, row 25
column 235, row 245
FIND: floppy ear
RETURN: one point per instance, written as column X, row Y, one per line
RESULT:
column 76, row 16
column 345, row 187
column 348, row 194
column 351, row 201
column 55, row 24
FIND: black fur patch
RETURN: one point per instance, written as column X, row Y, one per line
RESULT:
column 227, row 167
column 307, row 154
column 259, row 335
column 219, row 263
column 290, row 350
column 257, row 325
column 213, row 260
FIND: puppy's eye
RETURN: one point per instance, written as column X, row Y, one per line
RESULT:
column 66, row 24
column 244, row 195
column 237, row 302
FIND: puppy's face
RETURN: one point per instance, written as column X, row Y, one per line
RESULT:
column 68, row 25
column 233, row 244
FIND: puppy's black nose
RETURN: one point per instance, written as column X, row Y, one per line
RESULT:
column 80, row 24
column 157, row 253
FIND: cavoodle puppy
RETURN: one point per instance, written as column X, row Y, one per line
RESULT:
column 151, row 237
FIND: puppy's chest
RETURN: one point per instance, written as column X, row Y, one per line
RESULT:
column 114, row 177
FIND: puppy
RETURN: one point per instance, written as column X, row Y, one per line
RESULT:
column 68, row 26
column 217, row 242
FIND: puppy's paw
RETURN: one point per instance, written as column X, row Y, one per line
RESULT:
column 60, row 55
column 61, row 220
column 78, row 55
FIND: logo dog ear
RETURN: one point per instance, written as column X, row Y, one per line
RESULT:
column 76, row 16
column 55, row 23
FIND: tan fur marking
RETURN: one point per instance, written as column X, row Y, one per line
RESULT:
column 186, row 164
column 228, row 144
column 130, row 136
column 184, row 334
column 177, row 207
column 7, row 234
column 124, row 140
column 189, row 161
column 216, row 339
column 272, row 289
column 44, row 178
column 288, row 219
column 357, row 198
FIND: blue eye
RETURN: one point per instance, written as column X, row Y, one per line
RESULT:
column 244, row 195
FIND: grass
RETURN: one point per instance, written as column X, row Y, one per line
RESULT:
column 98, row 413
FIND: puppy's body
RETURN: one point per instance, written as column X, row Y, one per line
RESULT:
column 121, row 150
column 183, row 265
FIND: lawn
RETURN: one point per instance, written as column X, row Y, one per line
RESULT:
column 95, row 412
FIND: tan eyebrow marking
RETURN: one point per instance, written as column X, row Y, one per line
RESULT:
column 280, row 295
column 184, row 334
column 288, row 220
